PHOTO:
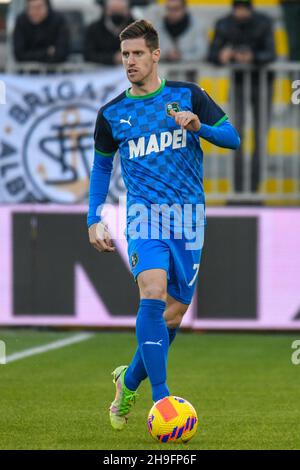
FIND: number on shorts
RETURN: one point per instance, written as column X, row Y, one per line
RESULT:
column 196, row 267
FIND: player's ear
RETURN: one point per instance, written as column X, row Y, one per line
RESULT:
column 156, row 55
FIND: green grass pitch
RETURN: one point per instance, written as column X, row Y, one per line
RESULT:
column 244, row 387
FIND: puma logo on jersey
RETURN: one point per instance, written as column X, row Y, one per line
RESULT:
column 124, row 121
column 159, row 343
column 157, row 143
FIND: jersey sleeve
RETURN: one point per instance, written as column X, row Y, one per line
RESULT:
column 104, row 141
column 206, row 109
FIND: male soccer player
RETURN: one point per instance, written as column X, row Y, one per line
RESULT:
column 156, row 125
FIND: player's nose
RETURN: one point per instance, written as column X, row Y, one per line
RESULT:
column 131, row 59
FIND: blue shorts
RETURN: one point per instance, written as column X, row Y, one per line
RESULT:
column 181, row 264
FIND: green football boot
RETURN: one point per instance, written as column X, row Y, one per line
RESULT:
column 123, row 402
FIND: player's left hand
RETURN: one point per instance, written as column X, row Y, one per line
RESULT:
column 186, row 120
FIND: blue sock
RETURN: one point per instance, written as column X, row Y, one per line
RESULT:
column 153, row 341
column 136, row 371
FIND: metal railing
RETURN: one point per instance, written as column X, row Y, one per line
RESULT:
column 263, row 105
column 259, row 102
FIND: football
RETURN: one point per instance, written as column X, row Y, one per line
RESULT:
column 172, row 419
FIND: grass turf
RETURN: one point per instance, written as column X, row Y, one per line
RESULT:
column 243, row 386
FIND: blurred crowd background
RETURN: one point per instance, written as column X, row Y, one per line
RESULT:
column 69, row 30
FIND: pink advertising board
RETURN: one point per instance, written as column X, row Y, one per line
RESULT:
column 278, row 274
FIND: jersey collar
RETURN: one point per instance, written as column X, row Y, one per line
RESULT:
column 149, row 95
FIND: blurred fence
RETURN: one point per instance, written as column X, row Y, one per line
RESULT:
column 262, row 103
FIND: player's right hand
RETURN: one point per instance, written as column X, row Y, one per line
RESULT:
column 100, row 238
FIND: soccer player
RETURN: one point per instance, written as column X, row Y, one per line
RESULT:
column 156, row 126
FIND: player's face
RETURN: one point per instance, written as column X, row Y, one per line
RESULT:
column 138, row 60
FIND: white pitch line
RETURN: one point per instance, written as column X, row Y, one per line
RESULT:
column 48, row 347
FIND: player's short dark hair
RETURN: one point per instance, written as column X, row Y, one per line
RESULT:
column 141, row 29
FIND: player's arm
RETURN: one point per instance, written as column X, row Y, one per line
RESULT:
column 223, row 135
column 208, row 121
column 105, row 148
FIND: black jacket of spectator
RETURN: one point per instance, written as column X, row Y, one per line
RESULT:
column 101, row 44
column 291, row 16
column 31, row 41
column 256, row 35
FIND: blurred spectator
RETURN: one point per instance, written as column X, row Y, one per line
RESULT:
column 181, row 34
column 245, row 37
column 102, row 44
column 3, row 11
column 291, row 15
column 2, row 17
column 41, row 34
